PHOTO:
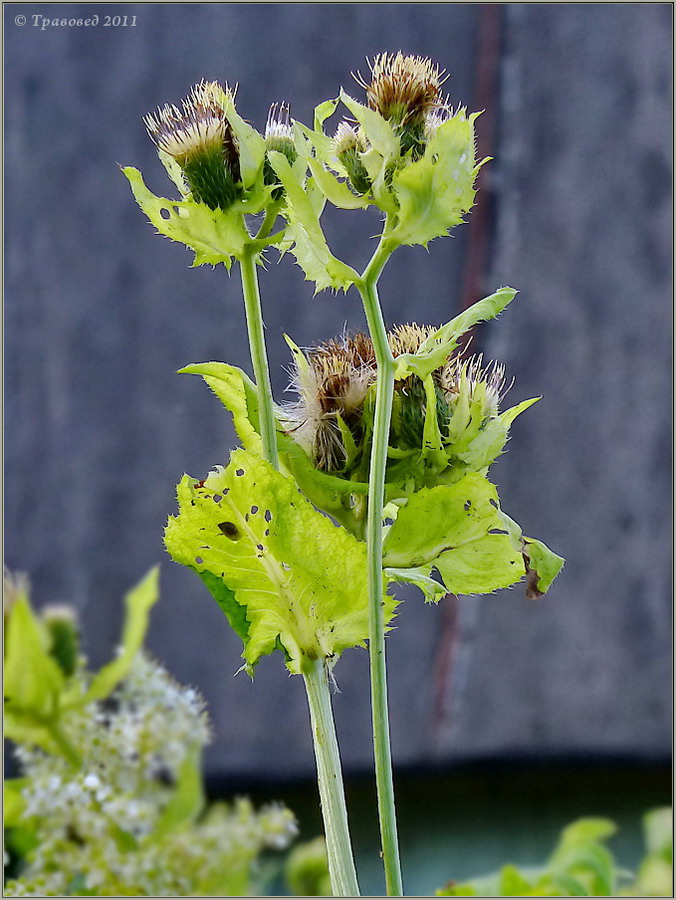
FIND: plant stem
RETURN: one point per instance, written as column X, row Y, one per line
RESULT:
column 374, row 540
column 330, row 780
column 57, row 735
column 254, row 324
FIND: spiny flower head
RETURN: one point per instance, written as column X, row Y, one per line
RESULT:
column 278, row 137
column 279, row 131
column 349, row 143
column 331, row 382
column 484, row 384
column 334, row 381
column 404, row 90
column 200, row 138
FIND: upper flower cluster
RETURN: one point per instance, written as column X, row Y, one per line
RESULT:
column 407, row 151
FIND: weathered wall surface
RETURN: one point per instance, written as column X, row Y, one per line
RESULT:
column 100, row 313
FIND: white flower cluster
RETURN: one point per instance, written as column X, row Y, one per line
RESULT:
column 102, row 828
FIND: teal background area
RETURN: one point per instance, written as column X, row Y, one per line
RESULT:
column 473, row 820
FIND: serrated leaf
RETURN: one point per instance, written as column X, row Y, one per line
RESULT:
column 324, row 111
column 304, row 229
column 435, row 192
column 542, row 564
column 451, row 528
column 300, row 578
column 419, row 577
column 237, row 393
column 216, row 236
column 138, row 603
column 438, row 347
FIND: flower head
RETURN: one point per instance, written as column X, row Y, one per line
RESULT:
column 331, row 382
column 279, row 131
column 405, row 90
column 333, row 415
column 278, row 137
column 201, row 140
column 61, row 623
column 349, row 143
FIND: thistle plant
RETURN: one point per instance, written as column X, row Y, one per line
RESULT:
column 218, row 163
column 392, row 432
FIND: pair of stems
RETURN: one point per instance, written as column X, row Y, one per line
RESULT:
column 332, row 794
column 342, row 869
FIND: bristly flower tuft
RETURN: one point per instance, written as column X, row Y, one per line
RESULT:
column 349, row 143
column 279, row 137
column 200, row 139
column 405, row 90
column 334, row 381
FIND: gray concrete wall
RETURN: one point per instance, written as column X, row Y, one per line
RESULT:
column 100, row 313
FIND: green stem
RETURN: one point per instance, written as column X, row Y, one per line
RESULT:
column 271, row 214
column 374, row 540
column 330, row 780
column 254, row 324
column 57, row 735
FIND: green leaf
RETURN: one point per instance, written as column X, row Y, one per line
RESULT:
column 13, row 801
column 542, row 565
column 138, row 603
column 658, row 828
column 300, row 578
column 324, row 111
column 452, row 528
column 419, row 577
column 479, row 446
column 237, row 393
column 439, row 346
column 187, row 799
column 216, row 236
column 304, row 229
column 378, row 131
column 32, row 680
column 336, row 192
column 513, row 883
column 250, row 144
column 234, row 613
column 580, row 864
column 434, row 193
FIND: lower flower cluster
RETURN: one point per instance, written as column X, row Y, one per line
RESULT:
column 111, row 827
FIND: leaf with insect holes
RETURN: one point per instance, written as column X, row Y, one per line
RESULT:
column 237, row 393
column 305, row 231
column 216, row 235
column 453, row 529
column 542, row 564
column 300, row 579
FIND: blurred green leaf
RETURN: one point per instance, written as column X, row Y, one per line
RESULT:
column 138, row 603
